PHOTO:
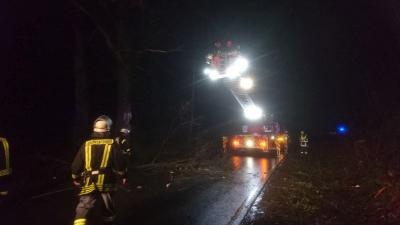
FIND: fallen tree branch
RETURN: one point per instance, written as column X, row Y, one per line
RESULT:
column 150, row 50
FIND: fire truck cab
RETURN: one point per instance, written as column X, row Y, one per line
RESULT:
column 255, row 139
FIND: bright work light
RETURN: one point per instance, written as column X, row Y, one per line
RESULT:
column 253, row 112
column 246, row 83
column 241, row 64
column 212, row 74
column 237, row 68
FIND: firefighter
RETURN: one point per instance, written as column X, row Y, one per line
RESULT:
column 303, row 143
column 95, row 170
column 225, row 144
column 124, row 141
column 5, row 167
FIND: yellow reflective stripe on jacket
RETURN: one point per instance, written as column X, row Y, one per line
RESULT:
column 87, row 156
column 100, row 180
column 91, row 183
column 80, row 222
column 5, row 172
column 104, row 162
column 101, row 188
column 7, row 152
column 100, row 142
column 106, row 156
column 6, row 147
column 88, row 149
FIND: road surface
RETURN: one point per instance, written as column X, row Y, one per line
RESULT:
column 220, row 201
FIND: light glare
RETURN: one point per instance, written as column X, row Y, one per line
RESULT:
column 241, row 64
column 214, row 75
column 237, row 68
column 232, row 72
column 250, row 143
column 246, row 83
column 253, row 112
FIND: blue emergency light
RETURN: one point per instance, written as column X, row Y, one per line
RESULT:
column 341, row 129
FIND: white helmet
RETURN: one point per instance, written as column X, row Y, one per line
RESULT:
column 102, row 124
column 125, row 130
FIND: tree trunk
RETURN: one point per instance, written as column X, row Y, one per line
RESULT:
column 123, row 75
column 81, row 101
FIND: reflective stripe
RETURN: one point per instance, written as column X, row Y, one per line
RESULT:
column 88, row 154
column 104, row 162
column 100, row 142
column 101, row 188
column 88, row 147
column 7, row 152
column 106, row 156
column 91, row 183
column 80, row 222
column 100, row 180
column 7, row 170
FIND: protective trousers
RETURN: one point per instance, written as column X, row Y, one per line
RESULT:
column 88, row 202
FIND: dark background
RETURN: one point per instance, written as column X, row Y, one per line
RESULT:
column 317, row 64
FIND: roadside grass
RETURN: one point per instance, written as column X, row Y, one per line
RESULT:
column 329, row 186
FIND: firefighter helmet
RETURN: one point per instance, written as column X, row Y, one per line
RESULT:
column 102, row 124
column 125, row 130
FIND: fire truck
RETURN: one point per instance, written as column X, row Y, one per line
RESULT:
column 266, row 138
column 227, row 64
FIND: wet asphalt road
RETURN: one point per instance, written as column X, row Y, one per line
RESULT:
column 220, row 201
column 211, row 202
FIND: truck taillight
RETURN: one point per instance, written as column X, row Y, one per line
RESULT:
column 263, row 144
column 235, row 143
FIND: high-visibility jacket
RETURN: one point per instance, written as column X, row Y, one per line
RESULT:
column 97, row 165
column 5, row 167
column 303, row 138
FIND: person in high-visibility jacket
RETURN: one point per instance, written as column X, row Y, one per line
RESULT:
column 95, row 170
column 303, row 143
column 5, row 167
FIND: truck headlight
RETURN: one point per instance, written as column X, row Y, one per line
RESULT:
column 250, row 143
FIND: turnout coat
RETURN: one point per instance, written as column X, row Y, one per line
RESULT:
column 98, row 164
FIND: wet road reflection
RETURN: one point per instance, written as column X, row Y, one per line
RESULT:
column 254, row 165
column 208, row 202
column 249, row 174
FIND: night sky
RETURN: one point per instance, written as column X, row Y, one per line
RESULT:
column 317, row 63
